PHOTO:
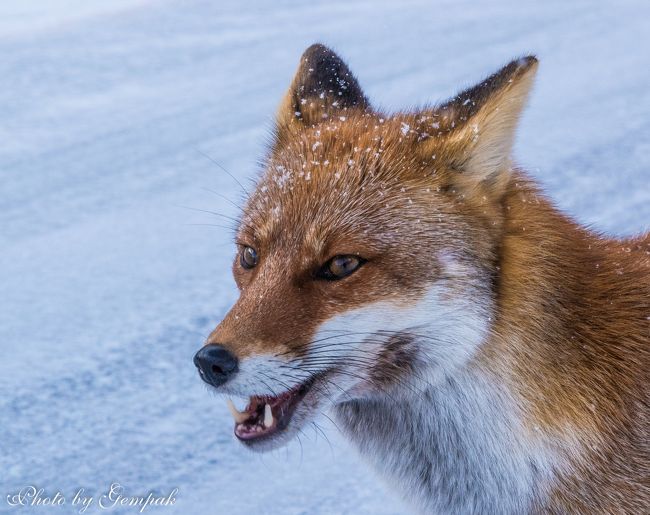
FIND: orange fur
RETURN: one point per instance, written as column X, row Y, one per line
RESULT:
column 571, row 327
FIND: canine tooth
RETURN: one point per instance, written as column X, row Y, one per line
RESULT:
column 237, row 415
column 268, row 416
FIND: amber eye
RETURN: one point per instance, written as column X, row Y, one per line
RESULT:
column 248, row 258
column 339, row 267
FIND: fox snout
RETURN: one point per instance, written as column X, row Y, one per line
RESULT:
column 216, row 364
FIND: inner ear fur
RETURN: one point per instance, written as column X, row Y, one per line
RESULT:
column 476, row 129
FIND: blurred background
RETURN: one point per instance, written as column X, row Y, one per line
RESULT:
column 111, row 276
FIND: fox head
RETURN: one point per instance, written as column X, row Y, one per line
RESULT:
column 367, row 254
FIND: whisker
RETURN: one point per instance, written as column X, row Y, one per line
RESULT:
column 230, row 228
column 318, row 428
column 238, row 222
column 214, row 161
column 234, row 204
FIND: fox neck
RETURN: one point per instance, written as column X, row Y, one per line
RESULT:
column 489, row 438
column 456, row 447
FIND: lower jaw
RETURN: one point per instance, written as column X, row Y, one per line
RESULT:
column 268, row 442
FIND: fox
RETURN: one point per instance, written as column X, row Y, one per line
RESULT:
column 483, row 351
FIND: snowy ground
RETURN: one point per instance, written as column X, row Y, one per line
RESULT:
column 106, row 286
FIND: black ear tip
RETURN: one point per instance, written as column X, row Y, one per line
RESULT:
column 322, row 86
column 317, row 52
column 322, row 59
column 525, row 63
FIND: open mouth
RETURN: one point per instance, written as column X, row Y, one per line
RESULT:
column 266, row 415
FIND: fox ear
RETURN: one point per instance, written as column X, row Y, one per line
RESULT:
column 479, row 125
column 322, row 87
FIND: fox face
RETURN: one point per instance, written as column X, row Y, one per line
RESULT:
column 367, row 253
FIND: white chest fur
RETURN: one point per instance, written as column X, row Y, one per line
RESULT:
column 458, row 447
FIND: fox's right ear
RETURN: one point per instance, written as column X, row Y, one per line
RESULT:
column 323, row 87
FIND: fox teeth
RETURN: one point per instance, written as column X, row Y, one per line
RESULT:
column 239, row 416
column 268, row 416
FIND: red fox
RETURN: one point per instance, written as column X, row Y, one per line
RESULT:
column 482, row 350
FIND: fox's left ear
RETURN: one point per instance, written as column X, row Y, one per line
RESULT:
column 479, row 128
column 323, row 87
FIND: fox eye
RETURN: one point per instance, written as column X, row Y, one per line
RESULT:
column 248, row 258
column 339, row 267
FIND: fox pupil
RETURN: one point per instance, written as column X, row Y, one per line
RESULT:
column 342, row 266
column 248, row 258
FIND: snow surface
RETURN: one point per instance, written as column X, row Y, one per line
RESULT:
column 107, row 286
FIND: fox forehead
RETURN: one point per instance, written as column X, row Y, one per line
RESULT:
column 340, row 180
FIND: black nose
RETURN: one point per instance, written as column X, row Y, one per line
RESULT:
column 216, row 364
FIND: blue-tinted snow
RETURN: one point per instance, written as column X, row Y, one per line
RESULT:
column 107, row 289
